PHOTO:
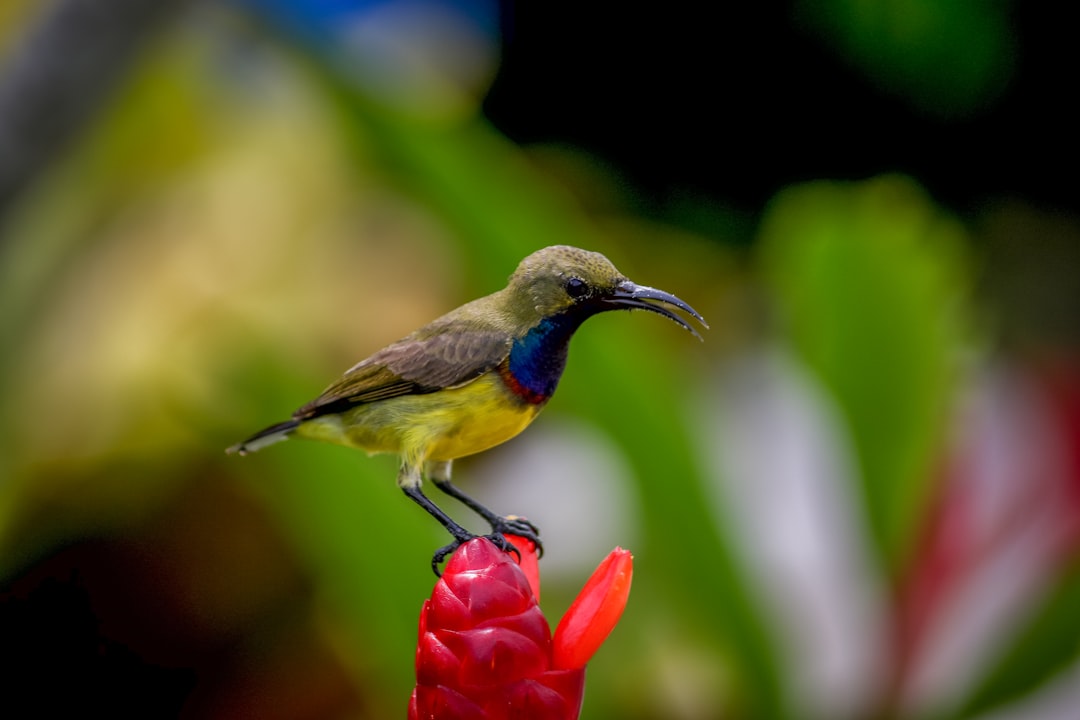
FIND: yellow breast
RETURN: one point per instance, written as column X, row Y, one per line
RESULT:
column 442, row 425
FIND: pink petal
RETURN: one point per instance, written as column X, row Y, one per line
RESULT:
column 593, row 614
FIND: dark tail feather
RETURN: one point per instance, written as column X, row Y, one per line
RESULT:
column 268, row 436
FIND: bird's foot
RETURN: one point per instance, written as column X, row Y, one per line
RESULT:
column 519, row 526
column 460, row 538
column 509, row 525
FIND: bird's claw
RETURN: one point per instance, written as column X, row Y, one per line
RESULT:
column 441, row 554
column 500, row 541
column 447, row 550
column 509, row 525
column 521, row 527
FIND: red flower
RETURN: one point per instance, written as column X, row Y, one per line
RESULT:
column 486, row 651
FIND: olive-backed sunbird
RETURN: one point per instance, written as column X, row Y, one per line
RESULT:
column 471, row 379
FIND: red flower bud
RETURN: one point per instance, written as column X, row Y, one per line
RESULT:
column 593, row 614
column 485, row 650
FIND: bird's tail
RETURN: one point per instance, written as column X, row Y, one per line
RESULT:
column 267, row 436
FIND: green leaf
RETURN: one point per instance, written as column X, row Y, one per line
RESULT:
column 869, row 281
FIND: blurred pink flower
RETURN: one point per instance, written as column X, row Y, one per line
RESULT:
column 486, row 651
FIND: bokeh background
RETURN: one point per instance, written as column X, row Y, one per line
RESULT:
column 859, row 498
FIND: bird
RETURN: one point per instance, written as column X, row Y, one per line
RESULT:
column 471, row 379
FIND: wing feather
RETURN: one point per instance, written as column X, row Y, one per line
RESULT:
column 413, row 366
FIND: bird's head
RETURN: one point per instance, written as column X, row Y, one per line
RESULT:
column 564, row 280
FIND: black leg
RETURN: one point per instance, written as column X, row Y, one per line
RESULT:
column 500, row 525
column 460, row 534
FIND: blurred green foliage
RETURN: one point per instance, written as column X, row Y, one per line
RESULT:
column 870, row 281
column 221, row 244
column 948, row 59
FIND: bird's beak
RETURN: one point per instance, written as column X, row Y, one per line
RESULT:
column 630, row 296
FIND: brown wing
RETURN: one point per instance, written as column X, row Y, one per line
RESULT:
column 412, row 366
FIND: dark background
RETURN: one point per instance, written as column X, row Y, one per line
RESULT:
column 735, row 100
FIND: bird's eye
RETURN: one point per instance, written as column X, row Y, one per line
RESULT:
column 576, row 287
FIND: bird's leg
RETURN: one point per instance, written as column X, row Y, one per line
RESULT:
column 460, row 534
column 500, row 525
column 409, row 482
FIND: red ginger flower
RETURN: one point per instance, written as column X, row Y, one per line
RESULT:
column 486, row 651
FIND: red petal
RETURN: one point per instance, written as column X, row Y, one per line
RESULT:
column 423, row 617
column 441, row 703
column 533, row 700
column 531, row 623
column 479, row 583
column 529, row 564
column 436, row 664
column 447, row 610
column 493, row 657
column 594, row 612
column 568, row 683
column 485, row 650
